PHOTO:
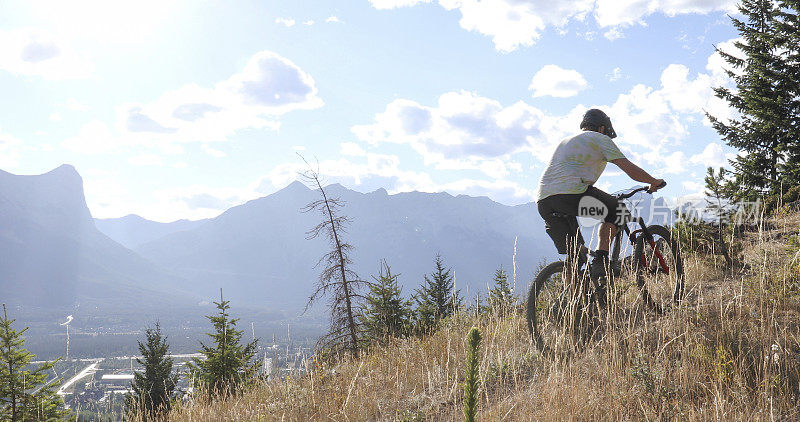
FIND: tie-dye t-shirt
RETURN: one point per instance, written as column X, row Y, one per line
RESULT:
column 577, row 163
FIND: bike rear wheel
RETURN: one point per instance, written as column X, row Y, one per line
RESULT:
column 542, row 294
column 660, row 276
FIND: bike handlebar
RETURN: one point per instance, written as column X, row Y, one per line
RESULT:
column 641, row 189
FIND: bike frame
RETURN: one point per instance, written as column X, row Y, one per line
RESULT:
column 634, row 235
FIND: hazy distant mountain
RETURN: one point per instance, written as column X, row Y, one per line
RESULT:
column 132, row 230
column 52, row 255
column 259, row 252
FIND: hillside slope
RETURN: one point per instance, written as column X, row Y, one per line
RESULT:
column 731, row 351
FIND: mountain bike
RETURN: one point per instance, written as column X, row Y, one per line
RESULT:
column 563, row 290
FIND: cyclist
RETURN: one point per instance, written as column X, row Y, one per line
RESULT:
column 576, row 165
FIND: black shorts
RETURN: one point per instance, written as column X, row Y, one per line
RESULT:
column 563, row 228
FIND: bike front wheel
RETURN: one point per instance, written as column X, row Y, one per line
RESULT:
column 659, row 269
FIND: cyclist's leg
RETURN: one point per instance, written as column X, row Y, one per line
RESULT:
column 614, row 215
column 561, row 230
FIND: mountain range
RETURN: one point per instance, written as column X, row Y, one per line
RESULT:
column 54, row 254
column 259, row 252
column 133, row 231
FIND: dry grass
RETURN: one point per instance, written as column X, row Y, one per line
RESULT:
column 730, row 352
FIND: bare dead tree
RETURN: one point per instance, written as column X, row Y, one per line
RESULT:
column 337, row 280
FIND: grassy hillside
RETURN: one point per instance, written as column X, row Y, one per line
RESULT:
column 731, row 352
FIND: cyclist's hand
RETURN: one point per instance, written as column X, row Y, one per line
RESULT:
column 656, row 185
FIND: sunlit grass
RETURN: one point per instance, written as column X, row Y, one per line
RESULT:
column 731, row 351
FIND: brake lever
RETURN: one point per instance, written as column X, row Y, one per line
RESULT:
column 664, row 183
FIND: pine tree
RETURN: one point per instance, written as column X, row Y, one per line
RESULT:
column 788, row 42
column 471, row 374
column 718, row 196
column 153, row 387
column 436, row 298
column 386, row 313
column 500, row 297
column 761, row 97
column 25, row 392
column 227, row 366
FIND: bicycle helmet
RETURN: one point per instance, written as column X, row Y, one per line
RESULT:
column 594, row 118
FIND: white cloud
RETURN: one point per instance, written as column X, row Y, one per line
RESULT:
column 516, row 23
column 463, row 131
column 9, row 150
column 146, row 160
column 554, row 81
column 682, row 93
column 287, row 22
column 268, row 87
column 656, row 118
column 712, row 156
column 55, row 117
column 394, row 4
column 75, row 105
column 466, row 131
column 717, row 67
column 30, row 52
column 93, row 138
column 614, row 33
column 645, row 122
column 308, row 22
column 693, row 187
column 627, row 12
column 519, row 23
column 615, row 75
column 214, row 152
column 102, row 21
column 333, row 19
column 352, row 149
column 107, row 198
column 673, row 163
column 368, row 172
column 105, row 195
column 199, row 201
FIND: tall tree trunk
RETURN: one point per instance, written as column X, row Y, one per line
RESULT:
column 348, row 300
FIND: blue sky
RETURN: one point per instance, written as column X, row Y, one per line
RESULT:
column 182, row 109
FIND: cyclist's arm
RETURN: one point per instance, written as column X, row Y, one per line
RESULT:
column 636, row 173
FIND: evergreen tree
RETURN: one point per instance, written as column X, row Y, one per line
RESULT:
column 25, row 392
column 472, row 374
column 762, row 97
column 386, row 313
column 500, row 297
column 153, row 387
column 436, row 299
column 718, row 197
column 228, row 365
column 788, row 42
